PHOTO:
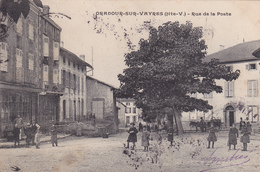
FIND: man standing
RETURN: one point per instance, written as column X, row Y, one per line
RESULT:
column 34, row 130
column 18, row 123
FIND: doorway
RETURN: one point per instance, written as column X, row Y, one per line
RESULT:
column 229, row 116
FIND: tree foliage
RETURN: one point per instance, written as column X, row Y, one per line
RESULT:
column 168, row 67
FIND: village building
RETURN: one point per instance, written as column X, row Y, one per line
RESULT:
column 72, row 76
column 101, row 105
column 21, row 68
column 240, row 97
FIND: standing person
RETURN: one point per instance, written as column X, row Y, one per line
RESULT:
column 170, row 134
column 34, row 130
column 28, row 133
column 16, row 133
column 212, row 136
column 202, row 125
column 18, row 122
column 232, row 136
column 140, row 127
column 245, row 136
column 54, row 133
column 37, row 137
column 132, row 135
column 145, row 139
column 241, row 123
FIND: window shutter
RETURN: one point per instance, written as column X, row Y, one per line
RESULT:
column 56, row 51
column 45, row 73
column 231, row 89
column 247, row 67
column 226, row 89
column 249, row 88
column 254, row 89
column 45, row 46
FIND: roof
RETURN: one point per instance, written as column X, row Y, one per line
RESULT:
column 73, row 57
column 240, row 52
column 113, row 87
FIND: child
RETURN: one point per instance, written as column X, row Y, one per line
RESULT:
column 132, row 135
column 145, row 138
column 54, row 139
column 16, row 133
column 232, row 136
column 245, row 137
column 28, row 133
column 212, row 136
column 37, row 137
column 170, row 134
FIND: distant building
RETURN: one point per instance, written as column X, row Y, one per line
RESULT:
column 101, row 104
column 132, row 113
column 121, row 113
column 240, row 98
column 72, row 76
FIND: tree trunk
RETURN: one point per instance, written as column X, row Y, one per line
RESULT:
column 178, row 121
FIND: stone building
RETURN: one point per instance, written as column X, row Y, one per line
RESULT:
column 101, row 103
column 72, row 76
column 240, row 98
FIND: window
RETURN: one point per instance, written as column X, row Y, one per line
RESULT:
column 127, row 103
column 19, row 42
column 210, row 95
column 127, row 119
column 19, row 26
column 229, row 89
column 252, row 113
column 45, row 46
column 64, row 60
column 3, row 57
column 45, row 73
column 56, row 51
column 134, row 110
column 63, row 77
column 31, row 30
column 251, row 66
column 134, row 118
column 19, row 58
column 127, row 110
column 31, row 62
column 82, row 85
column 252, row 88
column 55, row 76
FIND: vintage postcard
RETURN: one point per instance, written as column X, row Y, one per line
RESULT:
column 109, row 85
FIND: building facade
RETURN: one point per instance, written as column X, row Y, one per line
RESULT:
column 20, row 70
column 132, row 113
column 240, row 98
column 72, row 76
column 101, row 103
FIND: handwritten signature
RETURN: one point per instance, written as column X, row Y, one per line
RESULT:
column 234, row 158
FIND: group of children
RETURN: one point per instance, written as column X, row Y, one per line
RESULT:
column 245, row 128
column 145, row 136
column 31, row 131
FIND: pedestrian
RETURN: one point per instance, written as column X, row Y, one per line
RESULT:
column 170, row 134
column 34, row 130
column 232, row 136
column 245, row 135
column 28, row 134
column 132, row 135
column 18, row 122
column 16, row 133
column 241, row 123
column 145, row 138
column 212, row 136
column 202, row 125
column 140, row 127
column 79, row 129
column 37, row 137
column 54, row 137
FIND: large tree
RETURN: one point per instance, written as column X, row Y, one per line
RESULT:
column 167, row 68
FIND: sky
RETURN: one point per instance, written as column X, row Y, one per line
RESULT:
column 104, row 39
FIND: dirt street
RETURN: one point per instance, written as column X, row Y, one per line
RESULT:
column 80, row 154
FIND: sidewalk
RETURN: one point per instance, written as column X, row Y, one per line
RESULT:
column 43, row 139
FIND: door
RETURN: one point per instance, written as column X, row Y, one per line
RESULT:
column 231, row 118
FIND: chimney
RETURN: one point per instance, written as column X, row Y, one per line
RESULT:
column 82, row 57
column 46, row 10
